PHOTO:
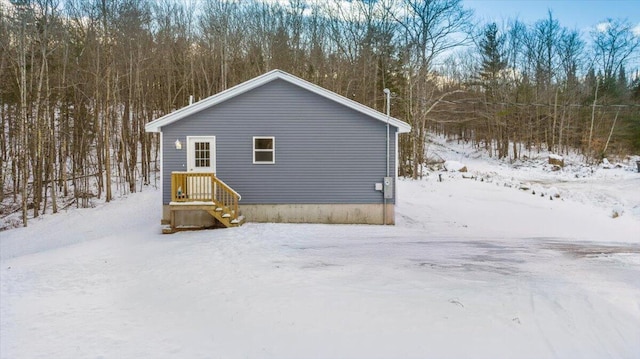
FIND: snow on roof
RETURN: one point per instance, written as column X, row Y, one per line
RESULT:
column 156, row 125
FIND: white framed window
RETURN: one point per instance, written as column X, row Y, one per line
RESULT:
column 264, row 150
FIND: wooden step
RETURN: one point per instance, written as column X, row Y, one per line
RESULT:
column 238, row 221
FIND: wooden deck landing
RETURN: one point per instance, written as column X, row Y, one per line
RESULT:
column 192, row 191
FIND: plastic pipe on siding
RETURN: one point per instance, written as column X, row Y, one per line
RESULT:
column 384, row 202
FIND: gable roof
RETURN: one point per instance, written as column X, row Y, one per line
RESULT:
column 156, row 125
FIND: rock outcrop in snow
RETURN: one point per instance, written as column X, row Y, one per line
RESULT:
column 455, row 166
column 556, row 160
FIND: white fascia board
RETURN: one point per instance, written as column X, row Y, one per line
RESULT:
column 156, row 125
column 161, row 169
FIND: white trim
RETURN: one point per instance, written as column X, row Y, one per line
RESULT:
column 397, row 156
column 162, row 166
column 212, row 150
column 156, row 125
column 273, row 150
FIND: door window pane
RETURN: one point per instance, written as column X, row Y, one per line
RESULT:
column 203, row 154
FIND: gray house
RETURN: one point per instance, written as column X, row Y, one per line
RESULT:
column 277, row 149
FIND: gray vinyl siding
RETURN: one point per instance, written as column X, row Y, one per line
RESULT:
column 324, row 152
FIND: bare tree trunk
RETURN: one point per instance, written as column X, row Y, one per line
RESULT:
column 593, row 116
column 561, row 130
column 24, row 165
column 604, row 151
column 107, row 138
column 555, row 119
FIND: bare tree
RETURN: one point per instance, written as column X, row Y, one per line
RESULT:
column 613, row 44
column 428, row 28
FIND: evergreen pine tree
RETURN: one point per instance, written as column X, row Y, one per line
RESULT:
column 491, row 50
column 622, row 85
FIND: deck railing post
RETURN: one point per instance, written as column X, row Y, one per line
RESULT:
column 214, row 188
column 235, row 208
column 173, row 188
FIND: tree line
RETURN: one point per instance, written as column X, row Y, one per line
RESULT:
column 80, row 79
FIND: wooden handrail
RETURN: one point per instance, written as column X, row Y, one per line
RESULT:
column 204, row 187
column 219, row 181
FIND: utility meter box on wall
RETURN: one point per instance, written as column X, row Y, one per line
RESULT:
column 388, row 187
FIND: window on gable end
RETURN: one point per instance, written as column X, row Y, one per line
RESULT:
column 264, row 150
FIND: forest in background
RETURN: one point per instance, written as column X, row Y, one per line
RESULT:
column 80, row 79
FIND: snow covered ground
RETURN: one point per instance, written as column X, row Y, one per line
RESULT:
column 475, row 268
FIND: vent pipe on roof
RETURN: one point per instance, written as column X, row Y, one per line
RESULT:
column 190, row 99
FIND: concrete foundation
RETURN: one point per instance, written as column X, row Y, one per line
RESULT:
column 293, row 213
column 318, row 213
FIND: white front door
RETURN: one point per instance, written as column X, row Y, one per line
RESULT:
column 201, row 157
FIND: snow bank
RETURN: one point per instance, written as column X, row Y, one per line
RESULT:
column 455, row 166
column 590, row 185
column 474, row 208
column 76, row 225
